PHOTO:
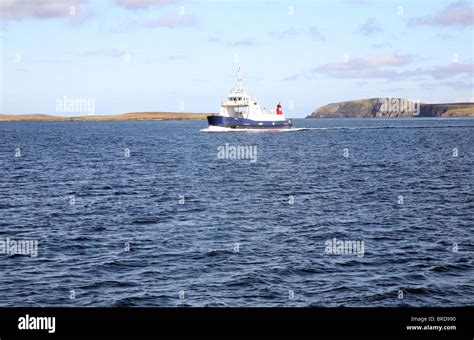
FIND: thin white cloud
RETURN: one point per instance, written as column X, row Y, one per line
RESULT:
column 451, row 70
column 443, row 36
column 459, row 13
column 178, row 57
column 104, row 52
column 385, row 66
column 244, row 42
column 164, row 21
column 289, row 32
column 172, row 21
column 357, row 2
column 234, row 43
column 140, row 4
column 11, row 10
column 370, row 27
column 213, row 39
column 381, row 45
column 456, row 84
column 315, row 33
column 368, row 62
column 436, row 72
column 312, row 31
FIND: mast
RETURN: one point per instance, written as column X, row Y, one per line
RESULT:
column 239, row 80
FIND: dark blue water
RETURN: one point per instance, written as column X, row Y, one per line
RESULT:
column 236, row 240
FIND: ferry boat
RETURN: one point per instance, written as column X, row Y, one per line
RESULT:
column 242, row 111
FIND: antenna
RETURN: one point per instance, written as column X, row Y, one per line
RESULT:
column 239, row 80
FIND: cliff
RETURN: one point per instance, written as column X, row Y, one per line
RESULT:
column 391, row 107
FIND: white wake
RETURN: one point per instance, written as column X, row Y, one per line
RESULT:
column 228, row 129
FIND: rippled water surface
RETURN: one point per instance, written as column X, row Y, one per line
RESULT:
column 237, row 240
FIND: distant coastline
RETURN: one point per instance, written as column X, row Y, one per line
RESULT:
column 363, row 108
column 391, row 107
column 121, row 117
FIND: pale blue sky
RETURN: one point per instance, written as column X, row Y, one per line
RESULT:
column 144, row 55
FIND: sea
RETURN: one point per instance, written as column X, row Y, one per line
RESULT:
column 338, row 212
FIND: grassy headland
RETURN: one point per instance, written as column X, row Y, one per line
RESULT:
column 121, row 117
column 391, row 107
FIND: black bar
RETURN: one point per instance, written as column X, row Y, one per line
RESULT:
column 241, row 322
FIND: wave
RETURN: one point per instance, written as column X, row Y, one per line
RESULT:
column 227, row 129
column 388, row 127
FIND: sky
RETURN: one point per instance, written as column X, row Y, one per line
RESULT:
column 167, row 55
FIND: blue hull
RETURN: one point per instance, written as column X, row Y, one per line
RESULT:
column 242, row 123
